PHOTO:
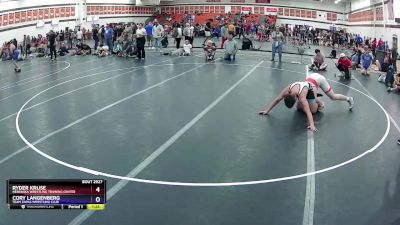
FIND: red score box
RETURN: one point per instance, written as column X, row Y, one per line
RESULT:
column 5, row 19
column 23, row 16
column 41, row 14
column 10, row 18
column 29, row 15
column 17, row 17
column 46, row 13
column 67, row 12
column 51, row 12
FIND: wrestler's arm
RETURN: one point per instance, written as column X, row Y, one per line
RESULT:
column 275, row 102
column 307, row 111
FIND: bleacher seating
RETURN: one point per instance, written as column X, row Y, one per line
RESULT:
column 205, row 17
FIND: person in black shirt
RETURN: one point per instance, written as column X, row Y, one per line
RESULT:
column 86, row 50
column 95, row 34
column 52, row 39
column 63, row 49
column 83, row 49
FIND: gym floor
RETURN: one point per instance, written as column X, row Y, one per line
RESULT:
column 192, row 125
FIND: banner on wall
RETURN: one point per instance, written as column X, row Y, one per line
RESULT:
column 23, row 16
column 41, row 14
column 11, row 18
column 17, row 17
column 395, row 4
column 272, row 9
column 246, row 9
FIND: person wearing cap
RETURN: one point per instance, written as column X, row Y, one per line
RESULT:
column 158, row 31
column 344, row 65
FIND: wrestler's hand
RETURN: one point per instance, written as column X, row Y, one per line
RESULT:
column 312, row 128
column 263, row 113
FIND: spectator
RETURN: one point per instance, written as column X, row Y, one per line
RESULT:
column 366, row 61
column 380, row 45
column 207, row 31
column 52, row 39
column 157, row 31
column 209, row 50
column 319, row 61
column 185, row 51
column 230, row 48
column 141, row 41
column 149, row 34
column 356, row 59
column 344, row 65
column 188, row 32
column 164, row 41
column 358, row 40
column 224, row 34
column 396, row 85
column 178, row 37
column 95, row 35
column 79, row 36
column 108, row 36
column 277, row 44
column 63, row 49
column 102, row 51
column 232, row 29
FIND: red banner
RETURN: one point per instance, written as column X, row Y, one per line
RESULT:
column 46, row 13
column 246, row 9
column 263, row 1
column 29, row 16
column 5, row 19
column 11, row 18
column 41, row 14
column 67, row 12
column 17, row 17
column 23, row 16
column 272, row 10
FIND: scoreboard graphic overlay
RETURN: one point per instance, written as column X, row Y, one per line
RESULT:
column 56, row 194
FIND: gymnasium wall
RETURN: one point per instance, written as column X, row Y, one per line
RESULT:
column 371, row 18
column 301, row 12
column 20, row 17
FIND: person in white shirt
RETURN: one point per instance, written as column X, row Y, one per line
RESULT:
column 185, row 51
column 187, row 48
column 158, row 31
column 141, row 41
column 79, row 36
column 188, row 32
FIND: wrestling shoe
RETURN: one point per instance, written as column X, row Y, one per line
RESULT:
column 351, row 103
